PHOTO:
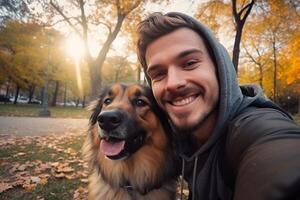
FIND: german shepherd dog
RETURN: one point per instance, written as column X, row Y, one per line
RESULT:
column 128, row 147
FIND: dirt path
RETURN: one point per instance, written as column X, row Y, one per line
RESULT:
column 22, row 126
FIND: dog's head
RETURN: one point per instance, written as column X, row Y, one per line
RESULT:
column 128, row 118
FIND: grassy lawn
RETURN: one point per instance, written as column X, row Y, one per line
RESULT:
column 33, row 111
column 42, row 167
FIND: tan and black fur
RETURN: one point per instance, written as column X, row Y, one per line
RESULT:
column 145, row 171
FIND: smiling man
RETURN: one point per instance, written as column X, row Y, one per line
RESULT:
column 234, row 143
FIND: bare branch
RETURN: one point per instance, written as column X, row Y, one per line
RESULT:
column 248, row 7
column 83, row 19
column 137, row 3
column 234, row 12
column 67, row 19
column 104, row 24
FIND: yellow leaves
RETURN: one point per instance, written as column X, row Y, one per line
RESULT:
column 71, row 151
column 214, row 14
column 80, row 193
column 127, row 6
column 290, row 59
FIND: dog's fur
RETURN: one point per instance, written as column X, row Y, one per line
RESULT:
column 148, row 172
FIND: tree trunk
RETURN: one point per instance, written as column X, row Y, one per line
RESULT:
column 17, row 94
column 240, row 19
column 7, row 89
column 261, row 76
column 54, row 98
column 77, row 102
column 299, row 104
column 95, row 78
column 83, row 101
column 31, row 92
column 275, row 72
column 65, row 94
column 236, row 47
column 96, row 65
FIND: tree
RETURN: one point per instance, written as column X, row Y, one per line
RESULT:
column 24, row 66
column 34, row 50
column 13, row 10
column 210, row 14
column 118, row 69
column 216, row 13
column 240, row 16
column 102, row 13
column 274, row 23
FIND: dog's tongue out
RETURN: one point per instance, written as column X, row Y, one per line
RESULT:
column 111, row 148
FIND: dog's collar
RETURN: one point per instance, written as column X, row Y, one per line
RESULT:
column 131, row 189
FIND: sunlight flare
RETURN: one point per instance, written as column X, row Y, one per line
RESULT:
column 75, row 49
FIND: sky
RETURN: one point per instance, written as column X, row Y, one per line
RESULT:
column 185, row 6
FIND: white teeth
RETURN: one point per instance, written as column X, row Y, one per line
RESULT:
column 182, row 102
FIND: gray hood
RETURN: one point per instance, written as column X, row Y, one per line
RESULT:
column 232, row 98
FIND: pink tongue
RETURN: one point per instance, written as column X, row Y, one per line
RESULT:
column 111, row 149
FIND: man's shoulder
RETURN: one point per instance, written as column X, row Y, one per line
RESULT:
column 256, row 126
column 258, row 122
column 260, row 143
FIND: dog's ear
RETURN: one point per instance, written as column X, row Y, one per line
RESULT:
column 96, row 106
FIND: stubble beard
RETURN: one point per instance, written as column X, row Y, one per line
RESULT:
column 192, row 130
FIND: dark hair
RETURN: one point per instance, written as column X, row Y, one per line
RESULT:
column 157, row 25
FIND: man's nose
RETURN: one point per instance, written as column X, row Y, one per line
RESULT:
column 175, row 79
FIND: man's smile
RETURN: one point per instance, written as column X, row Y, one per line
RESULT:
column 183, row 101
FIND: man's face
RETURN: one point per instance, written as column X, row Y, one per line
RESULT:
column 183, row 78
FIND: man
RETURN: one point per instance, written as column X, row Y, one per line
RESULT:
column 234, row 143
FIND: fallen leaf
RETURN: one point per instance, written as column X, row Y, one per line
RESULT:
column 22, row 167
column 35, row 179
column 5, row 186
column 70, row 177
column 21, row 154
column 71, row 151
column 84, row 180
column 60, row 175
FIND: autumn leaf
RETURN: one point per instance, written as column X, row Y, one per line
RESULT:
column 5, row 186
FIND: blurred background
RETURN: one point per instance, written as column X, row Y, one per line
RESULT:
column 60, row 53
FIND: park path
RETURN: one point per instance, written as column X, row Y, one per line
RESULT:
column 34, row 126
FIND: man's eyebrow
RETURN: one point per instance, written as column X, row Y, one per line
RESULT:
column 152, row 68
column 187, row 52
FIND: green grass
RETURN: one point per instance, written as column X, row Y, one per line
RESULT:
column 54, row 189
column 32, row 153
column 33, row 111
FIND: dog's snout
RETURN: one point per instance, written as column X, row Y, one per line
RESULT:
column 109, row 120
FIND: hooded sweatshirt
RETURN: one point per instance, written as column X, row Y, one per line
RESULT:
column 236, row 162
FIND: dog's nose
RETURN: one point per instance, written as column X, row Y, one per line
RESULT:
column 109, row 120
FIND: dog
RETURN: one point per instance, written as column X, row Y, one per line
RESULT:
column 128, row 147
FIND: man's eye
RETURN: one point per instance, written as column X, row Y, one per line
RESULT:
column 140, row 102
column 107, row 101
column 157, row 76
column 191, row 63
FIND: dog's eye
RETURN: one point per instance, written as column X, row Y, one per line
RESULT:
column 139, row 102
column 107, row 101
